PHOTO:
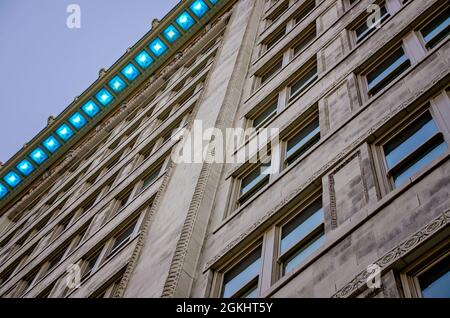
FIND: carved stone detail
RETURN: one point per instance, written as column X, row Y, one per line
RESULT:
column 398, row 252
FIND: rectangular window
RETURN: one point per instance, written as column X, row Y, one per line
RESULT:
column 257, row 179
column 413, row 149
column 243, row 279
column 435, row 283
column 307, row 79
column 148, row 180
column 90, row 262
column 302, row 236
column 306, row 38
column 437, row 29
column 123, row 238
column 271, row 71
column 271, row 41
column 277, row 13
column 304, row 10
column 367, row 25
column 386, row 71
column 268, row 113
column 307, row 137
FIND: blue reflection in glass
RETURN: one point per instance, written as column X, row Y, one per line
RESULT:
column 64, row 132
column 104, row 97
column 130, row 72
column 171, row 34
column 117, row 84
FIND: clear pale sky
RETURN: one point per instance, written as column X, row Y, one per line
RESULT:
column 44, row 64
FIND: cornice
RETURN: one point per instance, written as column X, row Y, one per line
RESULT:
column 162, row 67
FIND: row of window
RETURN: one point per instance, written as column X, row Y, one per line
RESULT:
column 292, row 240
column 88, row 264
column 401, row 155
column 112, row 162
column 114, row 208
column 118, row 204
column 375, row 78
column 431, row 34
column 190, row 71
column 405, row 150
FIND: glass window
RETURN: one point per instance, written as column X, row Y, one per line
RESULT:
column 275, row 38
column 435, row 283
column 123, row 238
column 368, row 26
column 437, row 29
column 386, row 71
column 254, row 181
column 304, row 81
column 152, row 176
column 265, row 115
column 302, row 141
column 302, row 236
column 413, row 149
column 90, row 264
column 306, row 39
column 268, row 74
column 242, row 280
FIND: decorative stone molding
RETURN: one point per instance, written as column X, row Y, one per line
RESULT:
column 398, row 252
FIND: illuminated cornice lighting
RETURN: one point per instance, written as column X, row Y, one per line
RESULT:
column 25, row 167
column 144, row 60
column 39, row 156
column 117, row 84
column 51, row 144
column 105, row 95
column 12, row 179
column 3, row 191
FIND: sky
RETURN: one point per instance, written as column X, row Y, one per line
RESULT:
column 45, row 64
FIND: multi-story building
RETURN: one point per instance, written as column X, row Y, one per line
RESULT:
column 356, row 202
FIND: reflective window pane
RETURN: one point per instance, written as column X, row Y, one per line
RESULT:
column 269, row 112
column 301, row 226
column 255, row 180
column 301, row 142
column 241, row 280
column 304, row 82
column 413, row 149
column 436, row 282
column 367, row 27
column 387, row 70
column 303, row 254
column 417, row 165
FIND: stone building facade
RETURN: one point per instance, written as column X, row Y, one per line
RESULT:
column 357, row 201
